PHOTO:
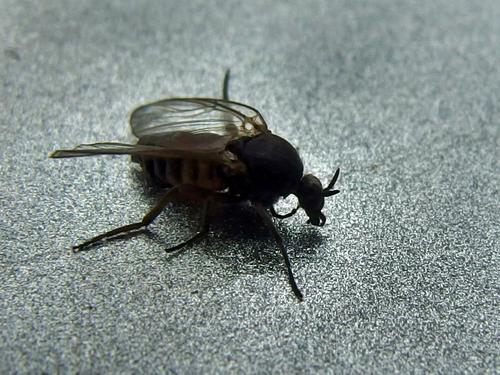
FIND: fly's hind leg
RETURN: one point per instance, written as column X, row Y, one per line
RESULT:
column 146, row 220
column 203, row 227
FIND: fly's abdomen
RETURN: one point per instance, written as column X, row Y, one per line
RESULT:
column 173, row 172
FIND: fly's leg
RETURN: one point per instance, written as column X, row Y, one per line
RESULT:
column 203, row 228
column 225, row 85
column 279, row 216
column 147, row 219
column 279, row 241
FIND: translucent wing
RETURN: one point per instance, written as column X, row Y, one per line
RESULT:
column 114, row 148
column 197, row 116
column 195, row 128
column 110, row 148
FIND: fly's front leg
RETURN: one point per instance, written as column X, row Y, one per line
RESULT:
column 147, row 219
column 279, row 241
column 279, row 216
column 203, row 226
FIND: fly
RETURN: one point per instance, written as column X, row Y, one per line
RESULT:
column 213, row 149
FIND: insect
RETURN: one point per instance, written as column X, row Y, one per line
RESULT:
column 214, row 149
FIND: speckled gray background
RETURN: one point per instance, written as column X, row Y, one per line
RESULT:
column 403, row 96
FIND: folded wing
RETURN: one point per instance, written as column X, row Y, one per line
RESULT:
column 197, row 128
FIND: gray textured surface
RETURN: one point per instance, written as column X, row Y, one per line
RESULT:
column 404, row 276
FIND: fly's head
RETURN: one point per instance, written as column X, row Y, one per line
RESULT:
column 312, row 196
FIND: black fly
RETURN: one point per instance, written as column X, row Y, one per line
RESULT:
column 207, row 149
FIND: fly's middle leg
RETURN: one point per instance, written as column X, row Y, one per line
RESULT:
column 203, row 226
column 225, row 85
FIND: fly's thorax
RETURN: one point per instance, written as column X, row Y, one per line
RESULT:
column 273, row 167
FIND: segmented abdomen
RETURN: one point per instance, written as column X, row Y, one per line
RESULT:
column 173, row 172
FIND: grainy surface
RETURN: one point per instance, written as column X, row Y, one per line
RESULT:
column 404, row 276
